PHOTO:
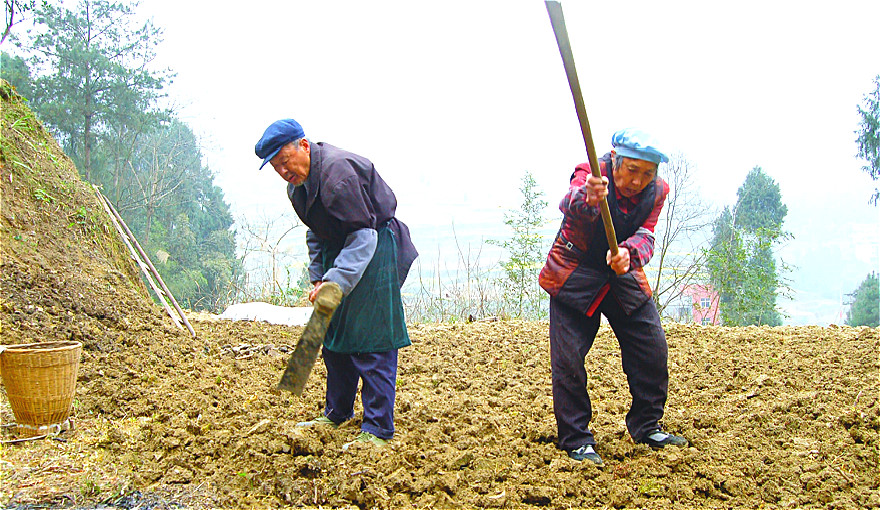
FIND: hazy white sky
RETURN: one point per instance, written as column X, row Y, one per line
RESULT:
column 454, row 100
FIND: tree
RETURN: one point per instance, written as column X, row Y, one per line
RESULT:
column 15, row 11
column 200, row 267
column 183, row 213
column 97, row 77
column 865, row 307
column 521, row 291
column 760, row 202
column 153, row 170
column 740, row 262
column 682, row 231
column 268, row 251
column 868, row 133
column 15, row 70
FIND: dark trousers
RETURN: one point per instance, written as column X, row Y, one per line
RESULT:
column 643, row 352
column 378, row 370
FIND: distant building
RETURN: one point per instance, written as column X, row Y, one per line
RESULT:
column 704, row 304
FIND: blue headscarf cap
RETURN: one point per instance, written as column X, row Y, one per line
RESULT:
column 276, row 136
column 635, row 143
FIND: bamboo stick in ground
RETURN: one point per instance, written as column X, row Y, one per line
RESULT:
column 144, row 269
column 153, row 270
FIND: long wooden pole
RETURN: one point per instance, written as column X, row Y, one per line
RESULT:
column 557, row 20
column 141, row 264
column 153, row 270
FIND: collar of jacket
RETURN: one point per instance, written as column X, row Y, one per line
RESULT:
column 316, row 168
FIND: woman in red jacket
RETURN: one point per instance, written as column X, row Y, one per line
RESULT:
column 584, row 281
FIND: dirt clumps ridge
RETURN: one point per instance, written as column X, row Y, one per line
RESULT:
column 783, row 417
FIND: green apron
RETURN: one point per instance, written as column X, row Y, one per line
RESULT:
column 370, row 318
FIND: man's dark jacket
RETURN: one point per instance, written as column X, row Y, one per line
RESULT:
column 344, row 193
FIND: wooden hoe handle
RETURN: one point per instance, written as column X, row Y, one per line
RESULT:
column 557, row 20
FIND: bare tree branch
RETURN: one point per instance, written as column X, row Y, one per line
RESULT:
column 683, row 229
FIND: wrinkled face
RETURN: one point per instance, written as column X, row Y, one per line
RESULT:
column 292, row 162
column 631, row 176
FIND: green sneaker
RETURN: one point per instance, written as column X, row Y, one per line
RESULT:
column 586, row 452
column 320, row 420
column 366, row 437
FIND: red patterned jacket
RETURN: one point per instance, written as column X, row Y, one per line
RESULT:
column 576, row 272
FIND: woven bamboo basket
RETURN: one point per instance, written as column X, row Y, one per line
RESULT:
column 40, row 381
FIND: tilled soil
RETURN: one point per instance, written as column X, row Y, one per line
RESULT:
column 777, row 418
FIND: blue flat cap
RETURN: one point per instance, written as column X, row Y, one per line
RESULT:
column 276, row 136
column 635, row 143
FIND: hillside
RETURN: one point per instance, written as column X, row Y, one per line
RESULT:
column 65, row 274
column 777, row 417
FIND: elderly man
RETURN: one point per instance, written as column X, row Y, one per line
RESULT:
column 584, row 281
column 355, row 241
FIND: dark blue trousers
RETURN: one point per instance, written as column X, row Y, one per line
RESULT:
column 378, row 370
column 643, row 352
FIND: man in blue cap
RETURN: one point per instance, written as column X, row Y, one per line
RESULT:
column 355, row 241
column 584, row 281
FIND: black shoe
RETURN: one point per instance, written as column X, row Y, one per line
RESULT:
column 586, row 452
column 658, row 439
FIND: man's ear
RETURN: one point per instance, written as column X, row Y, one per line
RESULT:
column 304, row 145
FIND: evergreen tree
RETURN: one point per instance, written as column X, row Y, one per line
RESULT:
column 94, row 75
column 868, row 133
column 15, row 70
column 741, row 262
column 865, row 307
column 759, row 202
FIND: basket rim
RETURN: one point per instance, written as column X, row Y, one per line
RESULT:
column 41, row 346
